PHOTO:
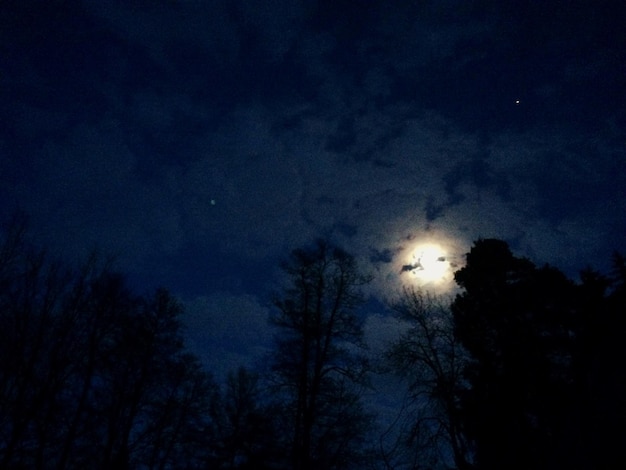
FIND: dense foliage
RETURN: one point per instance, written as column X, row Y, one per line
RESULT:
column 523, row 370
column 536, row 342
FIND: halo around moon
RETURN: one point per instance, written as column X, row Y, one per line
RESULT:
column 429, row 262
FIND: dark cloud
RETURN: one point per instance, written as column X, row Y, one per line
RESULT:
column 476, row 172
column 381, row 256
column 202, row 141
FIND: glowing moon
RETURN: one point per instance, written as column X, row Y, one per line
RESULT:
column 428, row 260
column 429, row 263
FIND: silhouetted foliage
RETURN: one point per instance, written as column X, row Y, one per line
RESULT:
column 525, row 369
column 597, row 431
column 317, row 362
column 542, row 383
column 92, row 376
column 528, row 334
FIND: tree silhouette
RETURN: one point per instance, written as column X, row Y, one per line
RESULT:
column 542, row 383
column 91, row 375
column 524, row 369
column 429, row 356
column 317, row 360
column 518, row 323
column 34, row 366
column 596, row 427
column 246, row 425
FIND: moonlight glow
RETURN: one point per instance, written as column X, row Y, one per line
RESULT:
column 429, row 263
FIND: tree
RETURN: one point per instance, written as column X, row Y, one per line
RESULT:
column 597, row 431
column 518, row 324
column 92, row 375
column 152, row 396
column 35, row 359
column 318, row 360
column 430, row 358
column 245, row 424
column 542, row 382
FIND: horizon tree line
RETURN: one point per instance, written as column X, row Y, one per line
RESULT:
column 523, row 369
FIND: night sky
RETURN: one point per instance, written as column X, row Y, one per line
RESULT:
column 201, row 141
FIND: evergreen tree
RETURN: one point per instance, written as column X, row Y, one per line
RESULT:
column 518, row 323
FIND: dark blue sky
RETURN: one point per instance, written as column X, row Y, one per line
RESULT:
column 201, row 141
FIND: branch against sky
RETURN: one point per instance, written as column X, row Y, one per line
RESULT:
column 317, row 362
column 430, row 360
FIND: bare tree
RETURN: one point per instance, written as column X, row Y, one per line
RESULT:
column 245, row 424
column 92, row 375
column 429, row 357
column 318, row 356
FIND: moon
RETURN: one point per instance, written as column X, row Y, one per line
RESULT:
column 423, row 258
column 430, row 263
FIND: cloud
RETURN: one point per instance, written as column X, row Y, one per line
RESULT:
column 86, row 190
column 168, row 31
column 380, row 330
column 192, row 152
column 255, row 187
column 276, row 23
